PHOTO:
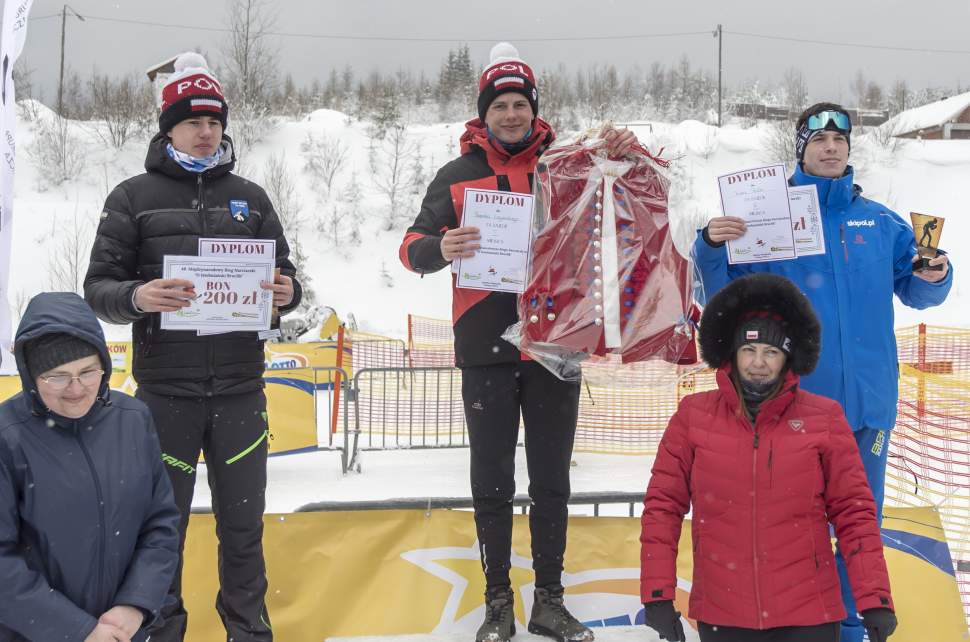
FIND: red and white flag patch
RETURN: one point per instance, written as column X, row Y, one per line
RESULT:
column 206, row 104
column 509, row 80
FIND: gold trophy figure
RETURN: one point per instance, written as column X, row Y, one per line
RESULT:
column 927, row 229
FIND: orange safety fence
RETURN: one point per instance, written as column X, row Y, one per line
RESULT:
column 929, row 452
column 431, row 342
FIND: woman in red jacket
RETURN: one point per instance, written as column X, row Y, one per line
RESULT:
column 765, row 466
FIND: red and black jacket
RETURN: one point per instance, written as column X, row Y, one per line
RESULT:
column 762, row 497
column 480, row 316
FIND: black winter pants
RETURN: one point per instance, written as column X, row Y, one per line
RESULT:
column 232, row 431
column 821, row 633
column 493, row 397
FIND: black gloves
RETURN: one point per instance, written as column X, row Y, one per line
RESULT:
column 880, row 623
column 662, row 618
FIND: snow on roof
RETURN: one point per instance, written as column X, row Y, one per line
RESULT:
column 929, row 116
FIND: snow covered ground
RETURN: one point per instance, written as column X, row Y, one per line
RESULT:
column 299, row 479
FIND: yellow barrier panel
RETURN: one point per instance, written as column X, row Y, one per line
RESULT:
column 289, row 356
column 121, row 355
column 290, row 401
column 408, row 572
column 291, row 406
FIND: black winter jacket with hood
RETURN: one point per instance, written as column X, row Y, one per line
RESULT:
column 165, row 211
column 87, row 517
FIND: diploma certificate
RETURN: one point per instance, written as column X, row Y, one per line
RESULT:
column 229, row 294
column 505, row 222
column 806, row 220
column 759, row 196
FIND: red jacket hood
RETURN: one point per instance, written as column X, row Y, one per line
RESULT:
column 476, row 135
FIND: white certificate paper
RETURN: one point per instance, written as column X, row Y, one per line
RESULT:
column 806, row 220
column 229, row 295
column 759, row 196
column 505, row 222
column 260, row 248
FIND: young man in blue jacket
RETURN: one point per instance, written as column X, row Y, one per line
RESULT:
column 870, row 252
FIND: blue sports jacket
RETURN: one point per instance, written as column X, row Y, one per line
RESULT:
column 869, row 251
column 87, row 517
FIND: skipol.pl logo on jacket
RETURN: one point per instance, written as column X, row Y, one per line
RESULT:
column 239, row 210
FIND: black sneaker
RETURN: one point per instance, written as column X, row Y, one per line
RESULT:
column 550, row 618
column 499, row 624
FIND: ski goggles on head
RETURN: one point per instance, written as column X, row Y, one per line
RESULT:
column 829, row 120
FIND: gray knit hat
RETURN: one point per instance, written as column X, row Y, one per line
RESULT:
column 52, row 350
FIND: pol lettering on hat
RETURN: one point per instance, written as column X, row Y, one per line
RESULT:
column 506, row 72
column 191, row 91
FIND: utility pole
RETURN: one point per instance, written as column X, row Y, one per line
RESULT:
column 60, row 84
column 719, row 34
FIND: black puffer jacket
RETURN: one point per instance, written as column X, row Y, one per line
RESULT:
column 87, row 518
column 165, row 211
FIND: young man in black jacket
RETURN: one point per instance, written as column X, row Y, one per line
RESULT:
column 206, row 392
column 499, row 151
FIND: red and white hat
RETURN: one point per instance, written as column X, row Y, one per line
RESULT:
column 190, row 92
column 506, row 72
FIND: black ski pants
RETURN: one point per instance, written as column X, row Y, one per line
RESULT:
column 820, row 633
column 493, row 397
column 232, row 431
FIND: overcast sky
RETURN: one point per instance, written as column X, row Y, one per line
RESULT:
column 104, row 41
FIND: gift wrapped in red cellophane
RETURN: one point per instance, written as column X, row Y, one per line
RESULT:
column 606, row 283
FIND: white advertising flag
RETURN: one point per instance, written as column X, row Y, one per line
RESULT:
column 12, row 36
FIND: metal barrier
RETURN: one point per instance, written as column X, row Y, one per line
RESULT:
column 338, row 383
column 594, row 499
column 406, row 408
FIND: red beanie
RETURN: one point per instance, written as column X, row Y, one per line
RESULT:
column 190, row 92
column 505, row 73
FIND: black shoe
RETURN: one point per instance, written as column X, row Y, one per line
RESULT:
column 550, row 618
column 499, row 625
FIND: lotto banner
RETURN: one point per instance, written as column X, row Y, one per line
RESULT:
column 290, row 399
column 409, row 572
column 321, row 354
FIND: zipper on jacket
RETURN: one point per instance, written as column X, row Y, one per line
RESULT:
column 201, row 199
column 210, row 353
column 148, row 336
column 771, row 472
column 754, row 524
column 845, row 248
column 836, row 278
column 101, row 515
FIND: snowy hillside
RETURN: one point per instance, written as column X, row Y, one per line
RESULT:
column 53, row 225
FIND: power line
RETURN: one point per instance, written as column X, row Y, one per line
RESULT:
column 330, row 36
column 858, row 45
column 636, row 36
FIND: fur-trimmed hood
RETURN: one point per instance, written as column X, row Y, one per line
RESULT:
column 756, row 293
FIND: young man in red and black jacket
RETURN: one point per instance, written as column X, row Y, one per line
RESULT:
column 499, row 151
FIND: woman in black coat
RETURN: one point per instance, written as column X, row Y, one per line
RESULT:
column 88, row 527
